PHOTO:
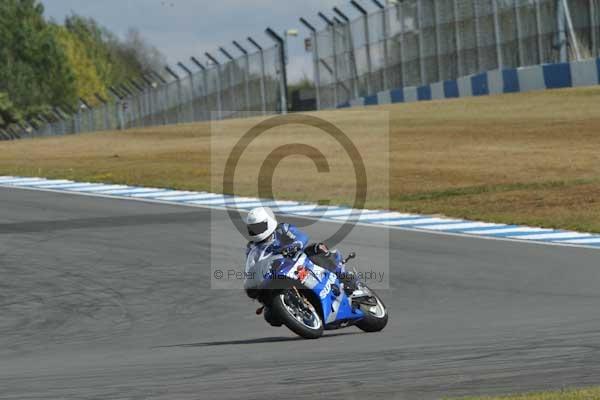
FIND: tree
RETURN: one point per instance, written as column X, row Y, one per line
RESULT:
column 43, row 64
column 34, row 71
column 87, row 79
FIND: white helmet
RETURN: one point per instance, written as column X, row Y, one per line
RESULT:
column 261, row 223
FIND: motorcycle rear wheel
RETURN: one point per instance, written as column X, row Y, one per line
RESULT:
column 301, row 318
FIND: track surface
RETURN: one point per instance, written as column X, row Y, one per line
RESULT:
column 108, row 299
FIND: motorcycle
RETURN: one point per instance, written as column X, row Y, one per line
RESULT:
column 309, row 299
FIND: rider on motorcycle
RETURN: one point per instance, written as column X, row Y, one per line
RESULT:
column 287, row 239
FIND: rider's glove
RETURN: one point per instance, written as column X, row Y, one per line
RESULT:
column 290, row 251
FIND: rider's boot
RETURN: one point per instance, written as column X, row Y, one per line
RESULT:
column 352, row 286
column 270, row 318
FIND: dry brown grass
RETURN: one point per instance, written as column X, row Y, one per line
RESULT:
column 527, row 158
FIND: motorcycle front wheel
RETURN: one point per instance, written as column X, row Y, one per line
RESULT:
column 376, row 316
column 298, row 314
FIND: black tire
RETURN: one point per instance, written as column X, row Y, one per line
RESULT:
column 371, row 322
column 281, row 312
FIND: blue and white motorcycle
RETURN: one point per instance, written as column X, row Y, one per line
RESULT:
column 309, row 299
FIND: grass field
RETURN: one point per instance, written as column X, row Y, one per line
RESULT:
column 572, row 394
column 525, row 158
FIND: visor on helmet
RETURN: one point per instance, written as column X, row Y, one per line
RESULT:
column 258, row 228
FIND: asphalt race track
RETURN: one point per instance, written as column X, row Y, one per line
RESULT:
column 111, row 299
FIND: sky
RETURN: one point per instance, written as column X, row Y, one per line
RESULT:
column 182, row 28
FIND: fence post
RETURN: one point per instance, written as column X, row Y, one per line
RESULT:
column 400, row 18
column 497, row 34
column 459, row 62
column 574, row 41
column 161, row 102
column 521, row 52
column 102, row 101
column 118, row 107
column 263, row 89
column 193, row 89
column 178, row 83
column 349, row 44
column 477, row 35
column 231, row 79
column 59, row 120
column 438, row 41
column 538, row 29
column 315, row 52
column 561, row 30
column 128, row 116
column 246, row 74
column 78, row 119
column 331, row 26
column 141, row 102
column 365, row 17
column 205, row 86
column 145, row 95
column 86, row 106
column 283, row 68
column 219, row 94
column 149, row 94
column 593, row 28
column 422, row 72
column 386, row 33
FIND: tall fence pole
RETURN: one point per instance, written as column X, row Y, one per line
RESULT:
column 593, row 27
column 60, row 118
column 283, row 68
column 162, row 96
column 538, row 29
column 476, row 17
column 365, row 18
column 204, row 94
column 438, row 41
column 561, row 30
column 118, row 107
column 103, row 101
column 315, row 54
column 146, row 101
column 179, row 94
column 263, row 89
column 574, row 41
column 331, row 26
column 422, row 71
column 139, row 102
column 219, row 94
column 150, row 96
column 246, row 74
column 190, row 74
column 231, row 62
column 400, row 18
column 459, row 61
column 497, row 34
column 349, row 45
column 129, row 113
column 386, row 33
column 520, row 48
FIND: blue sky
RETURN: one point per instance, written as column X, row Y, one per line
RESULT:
column 181, row 28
